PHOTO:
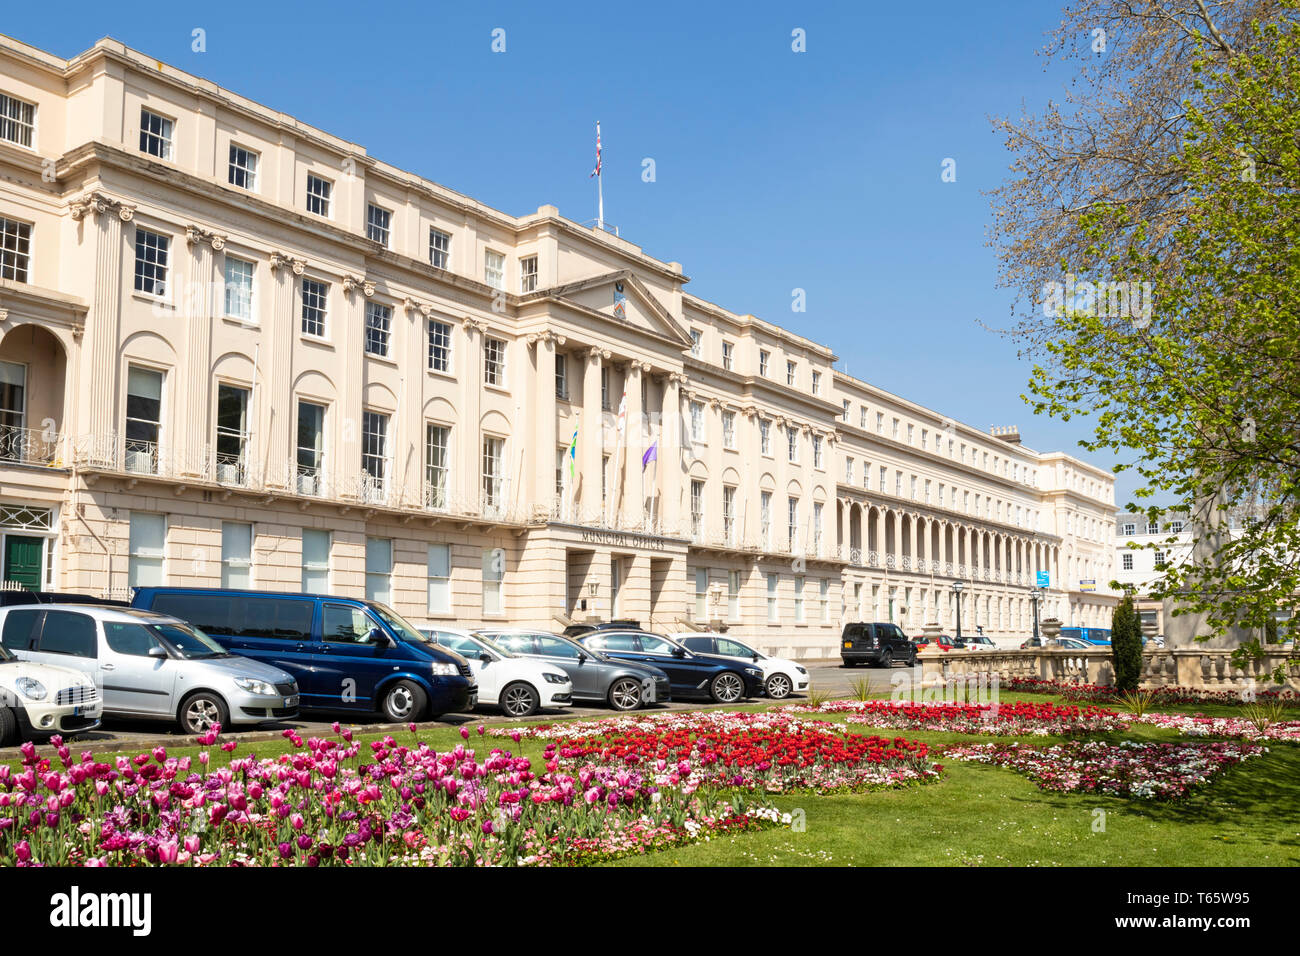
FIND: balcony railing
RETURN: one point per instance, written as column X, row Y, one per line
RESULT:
column 31, row 446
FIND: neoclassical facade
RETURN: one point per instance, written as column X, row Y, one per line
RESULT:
column 237, row 350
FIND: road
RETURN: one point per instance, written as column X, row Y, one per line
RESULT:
column 116, row 733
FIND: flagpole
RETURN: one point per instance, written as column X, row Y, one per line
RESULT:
column 600, row 189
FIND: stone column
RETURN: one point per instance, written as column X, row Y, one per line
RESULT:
column 198, row 308
column 544, row 424
column 670, row 454
column 104, row 319
column 591, row 440
column 632, row 500
column 844, row 542
column 349, row 335
column 278, row 415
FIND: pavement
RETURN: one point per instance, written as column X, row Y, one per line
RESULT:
column 116, row 734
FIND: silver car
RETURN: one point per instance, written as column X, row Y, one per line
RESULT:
column 150, row 665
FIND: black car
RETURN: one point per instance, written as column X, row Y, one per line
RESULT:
column 624, row 685
column 576, row 631
column 691, row 675
column 878, row 644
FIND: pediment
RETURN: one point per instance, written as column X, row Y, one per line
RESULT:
column 625, row 300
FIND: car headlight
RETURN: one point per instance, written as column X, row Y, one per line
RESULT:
column 800, row 669
column 254, row 686
column 30, row 687
column 753, row 672
column 556, row 678
column 444, row 669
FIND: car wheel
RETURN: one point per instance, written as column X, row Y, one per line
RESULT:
column 779, row 687
column 727, row 688
column 404, row 701
column 519, row 699
column 8, row 727
column 201, row 712
column 887, row 660
column 625, row 694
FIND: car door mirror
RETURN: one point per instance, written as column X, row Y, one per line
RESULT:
column 754, row 658
column 485, row 659
column 678, row 652
column 378, row 638
column 582, row 658
column 157, row 651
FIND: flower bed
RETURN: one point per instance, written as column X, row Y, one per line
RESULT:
column 1020, row 717
column 1196, row 725
column 770, row 752
column 328, row 802
column 1144, row 771
column 1105, row 694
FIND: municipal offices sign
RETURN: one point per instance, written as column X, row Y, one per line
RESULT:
column 623, row 539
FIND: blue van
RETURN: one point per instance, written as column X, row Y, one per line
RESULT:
column 346, row 654
column 1090, row 635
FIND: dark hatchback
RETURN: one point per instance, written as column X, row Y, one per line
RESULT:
column 878, row 644
column 689, row 674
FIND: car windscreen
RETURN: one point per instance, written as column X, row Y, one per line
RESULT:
column 399, row 624
column 189, row 642
column 492, row 645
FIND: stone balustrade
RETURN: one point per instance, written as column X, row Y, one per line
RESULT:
column 1209, row 668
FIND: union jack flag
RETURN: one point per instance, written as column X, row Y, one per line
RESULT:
column 596, row 171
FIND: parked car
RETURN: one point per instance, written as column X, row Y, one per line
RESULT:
column 150, row 665
column 941, row 641
column 520, row 686
column 345, row 653
column 1089, row 635
column 878, row 644
column 781, row 677
column 44, row 699
column 623, row 624
column 1070, row 643
column 977, row 643
column 689, row 674
column 624, row 685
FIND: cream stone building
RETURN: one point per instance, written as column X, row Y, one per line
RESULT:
column 236, row 350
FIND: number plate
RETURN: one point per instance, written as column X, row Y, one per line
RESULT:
column 78, row 711
column 848, row 643
column 291, row 702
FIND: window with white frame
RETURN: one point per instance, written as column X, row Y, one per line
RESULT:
column 1153, row 527
column 765, row 436
column 729, row 430
column 374, row 450
column 315, row 299
column 728, row 356
column 379, row 327
column 1160, row 560
column 848, row 471
column 439, row 346
column 151, row 259
column 528, row 274
column 17, row 121
column 144, row 392
column 792, row 522
column 310, row 448
column 816, row 382
column 824, row 597
column 791, row 372
column 862, row 417
column 1175, row 527
column 239, row 289
column 494, row 269
column 439, row 248
column 817, row 451
column 242, row 168
column 773, row 592
column 697, row 508
column 561, row 377
column 844, row 414
column 866, row 474
column 494, row 472
column 765, row 519
column 438, row 571
column 147, row 540
column 604, row 388
column 818, row 509
column 898, row 484
column 798, row 599
column 494, row 362
column 697, row 422
column 925, row 438
column 319, row 191
column 494, row 575
column 379, row 223
column 232, row 434
column 437, row 457
column 155, row 134
column 1126, row 562
column 15, row 250
column 927, row 491
column 697, row 343
column 236, row 554
column 729, row 513
column 792, row 443
column 379, row 570
column 884, row 473
column 733, row 595
column 763, row 360
column 315, row 561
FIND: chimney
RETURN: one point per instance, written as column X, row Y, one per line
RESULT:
column 1008, row 433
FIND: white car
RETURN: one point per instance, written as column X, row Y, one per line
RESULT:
column 781, row 677
column 520, row 686
column 978, row 643
column 44, row 699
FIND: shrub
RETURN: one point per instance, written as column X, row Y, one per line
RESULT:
column 1126, row 645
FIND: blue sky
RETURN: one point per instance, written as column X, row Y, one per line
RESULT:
column 775, row 170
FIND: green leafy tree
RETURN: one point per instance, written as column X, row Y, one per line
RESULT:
column 1126, row 645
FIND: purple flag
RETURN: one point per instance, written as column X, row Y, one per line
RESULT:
column 651, row 454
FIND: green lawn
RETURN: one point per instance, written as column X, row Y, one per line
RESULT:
column 978, row 815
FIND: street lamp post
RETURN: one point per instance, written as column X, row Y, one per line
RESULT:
column 1034, row 596
column 956, row 589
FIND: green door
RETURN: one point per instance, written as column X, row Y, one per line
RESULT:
column 22, row 560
